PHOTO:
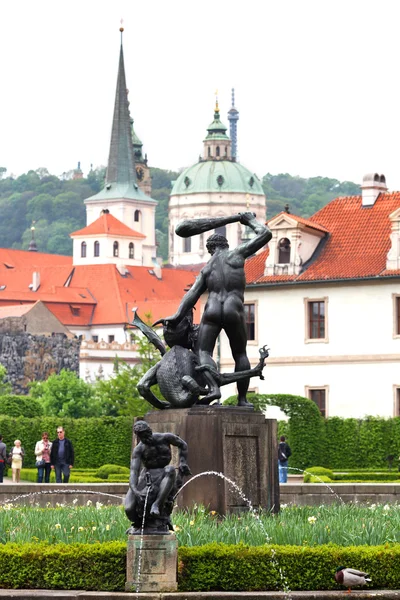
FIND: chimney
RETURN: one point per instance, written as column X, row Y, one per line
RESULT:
column 373, row 184
column 34, row 286
column 158, row 267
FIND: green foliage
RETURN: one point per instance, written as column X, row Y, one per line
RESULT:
column 245, row 568
column 305, row 429
column 107, row 470
column 304, row 196
column 5, row 386
column 63, row 566
column 96, row 440
column 20, row 406
column 320, row 472
column 66, row 395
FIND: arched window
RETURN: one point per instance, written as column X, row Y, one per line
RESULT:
column 217, row 151
column 226, row 150
column 209, row 151
column 83, row 250
column 131, row 250
column 97, row 248
column 115, row 249
column 187, row 244
column 137, row 216
column 284, row 251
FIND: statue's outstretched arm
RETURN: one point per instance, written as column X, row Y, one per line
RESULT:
column 262, row 237
column 188, row 301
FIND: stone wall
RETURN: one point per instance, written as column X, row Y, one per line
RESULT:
column 34, row 357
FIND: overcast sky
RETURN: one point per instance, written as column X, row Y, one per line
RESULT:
column 317, row 82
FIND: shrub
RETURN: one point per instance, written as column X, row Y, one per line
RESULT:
column 214, row 566
column 321, row 472
column 107, row 470
column 18, row 406
column 247, row 568
column 63, row 566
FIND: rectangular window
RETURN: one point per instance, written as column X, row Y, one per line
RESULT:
column 319, row 397
column 95, row 338
column 111, row 338
column 397, row 401
column 316, row 319
column 398, row 315
column 250, row 319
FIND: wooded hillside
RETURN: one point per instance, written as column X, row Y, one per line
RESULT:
column 55, row 204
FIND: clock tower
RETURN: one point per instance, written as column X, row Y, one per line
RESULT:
column 142, row 169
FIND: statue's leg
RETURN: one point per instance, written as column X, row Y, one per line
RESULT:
column 166, row 485
column 237, row 336
column 130, row 505
column 144, row 385
column 208, row 334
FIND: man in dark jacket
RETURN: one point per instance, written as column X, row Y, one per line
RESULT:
column 284, row 452
column 3, row 456
column 62, row 456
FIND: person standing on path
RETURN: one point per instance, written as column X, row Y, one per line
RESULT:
column 42, row 453
column 284, row 452
column 3, row 457
column 62, row 456
column 17, row 454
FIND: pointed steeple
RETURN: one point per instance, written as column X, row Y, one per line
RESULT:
column 121, row 165
column 217, row 144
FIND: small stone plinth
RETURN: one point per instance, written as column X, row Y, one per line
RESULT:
column 158, row 568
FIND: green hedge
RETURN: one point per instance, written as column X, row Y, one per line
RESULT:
column 20, row 406
column 96, row 441
column 219, row 567
column 63, row 566
column 244, row 568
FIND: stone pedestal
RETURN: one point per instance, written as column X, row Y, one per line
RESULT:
column 158, row 565
column 238, row 442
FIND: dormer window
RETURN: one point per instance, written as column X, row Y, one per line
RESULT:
column 284, row 251
column 83, row 250
column 116, row 249
column 96, row 249
column 131, row 250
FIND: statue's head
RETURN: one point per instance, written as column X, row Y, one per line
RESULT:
column 142, row 430
column 183, row 334
column 216, row 241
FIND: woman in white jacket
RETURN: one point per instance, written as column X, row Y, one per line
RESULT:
column 42, row 453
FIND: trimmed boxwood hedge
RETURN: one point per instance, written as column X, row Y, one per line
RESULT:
column 215, row 567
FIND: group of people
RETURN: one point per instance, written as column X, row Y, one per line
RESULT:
column 57, row 455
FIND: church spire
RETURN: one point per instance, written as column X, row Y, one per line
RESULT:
column 121, row 165
column 233, row 117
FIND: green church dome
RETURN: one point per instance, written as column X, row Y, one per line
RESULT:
column 217, row 176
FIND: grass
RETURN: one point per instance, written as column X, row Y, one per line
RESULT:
column 344, row 525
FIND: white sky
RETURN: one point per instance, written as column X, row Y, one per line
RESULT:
column 317, row 82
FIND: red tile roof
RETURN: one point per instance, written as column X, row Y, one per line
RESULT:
column 108, row 224
column 14, row 310
column 356, row 246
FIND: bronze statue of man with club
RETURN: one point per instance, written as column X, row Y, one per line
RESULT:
column 224, row 279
